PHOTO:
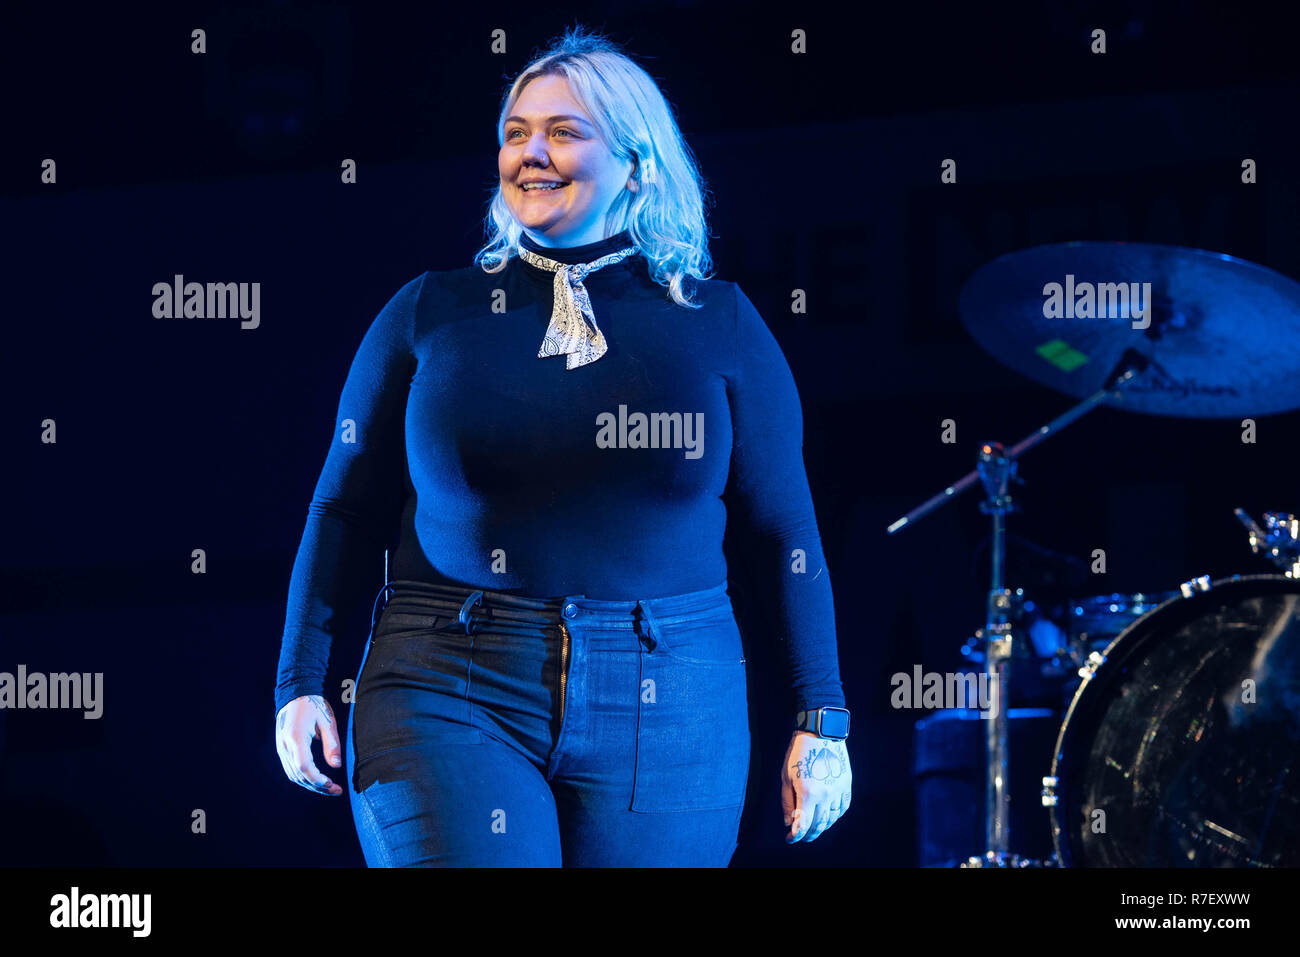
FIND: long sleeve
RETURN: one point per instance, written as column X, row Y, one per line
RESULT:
column 770, row 506
column 357, row 505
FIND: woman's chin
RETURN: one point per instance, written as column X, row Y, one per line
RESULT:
column 537, row 220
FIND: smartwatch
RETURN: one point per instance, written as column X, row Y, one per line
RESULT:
column 832, row 723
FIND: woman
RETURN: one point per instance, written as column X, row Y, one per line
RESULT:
column 559, row 436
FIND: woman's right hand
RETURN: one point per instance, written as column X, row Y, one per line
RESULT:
column 296, row 726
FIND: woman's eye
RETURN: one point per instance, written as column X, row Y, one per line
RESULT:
column 561, row 130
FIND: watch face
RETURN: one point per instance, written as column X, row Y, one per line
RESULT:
column 835, row 723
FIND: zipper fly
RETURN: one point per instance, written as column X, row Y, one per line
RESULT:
column 564, row 667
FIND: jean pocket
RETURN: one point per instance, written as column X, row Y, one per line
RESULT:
column 405, row 681
column 409, row 759
column 692, row 739
column 397, row 625
column 710, row 639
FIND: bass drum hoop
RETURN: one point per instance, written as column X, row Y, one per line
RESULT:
column 1077, row 731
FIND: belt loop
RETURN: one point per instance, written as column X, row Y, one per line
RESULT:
column 374, row 606
column 652, row 627
column 474, row 599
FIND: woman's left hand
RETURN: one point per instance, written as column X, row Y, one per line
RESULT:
column 816, row 785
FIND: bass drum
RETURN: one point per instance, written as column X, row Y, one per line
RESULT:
column 1182, row 747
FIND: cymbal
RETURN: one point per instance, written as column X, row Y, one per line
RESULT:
column 1222, row 334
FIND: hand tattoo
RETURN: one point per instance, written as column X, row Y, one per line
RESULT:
column 826, row 764
column 322, row 706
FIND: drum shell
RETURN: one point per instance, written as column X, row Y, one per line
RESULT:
column 1162, row 740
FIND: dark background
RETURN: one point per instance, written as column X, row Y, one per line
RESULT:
column 178, row 435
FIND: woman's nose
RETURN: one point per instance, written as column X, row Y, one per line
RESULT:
column 535, row 151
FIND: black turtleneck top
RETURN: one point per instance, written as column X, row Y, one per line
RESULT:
column 454, row 440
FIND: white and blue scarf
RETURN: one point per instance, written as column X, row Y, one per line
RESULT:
column 573, row 331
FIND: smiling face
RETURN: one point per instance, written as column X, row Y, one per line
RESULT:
column 550, row 138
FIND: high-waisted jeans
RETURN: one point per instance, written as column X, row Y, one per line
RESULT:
column 490, row 729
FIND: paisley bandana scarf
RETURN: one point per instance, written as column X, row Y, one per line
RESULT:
column 572, row 331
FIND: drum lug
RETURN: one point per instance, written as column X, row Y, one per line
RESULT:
column 1279, row 541
column 1190, row 588
column 1095, row 661
column 1049, row 790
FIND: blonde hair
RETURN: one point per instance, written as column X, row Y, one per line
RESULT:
column 665, row 216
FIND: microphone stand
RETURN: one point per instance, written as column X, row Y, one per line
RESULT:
column 996, row 469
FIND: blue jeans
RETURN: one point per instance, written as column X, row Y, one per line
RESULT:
column 490, row 729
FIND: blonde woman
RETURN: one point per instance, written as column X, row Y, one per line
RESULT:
column 556, row 439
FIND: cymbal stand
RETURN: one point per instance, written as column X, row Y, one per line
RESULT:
column 996, row 469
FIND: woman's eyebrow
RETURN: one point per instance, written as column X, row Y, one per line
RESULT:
column 561, row 118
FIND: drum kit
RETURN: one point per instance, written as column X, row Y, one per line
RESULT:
column 1180, row 739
